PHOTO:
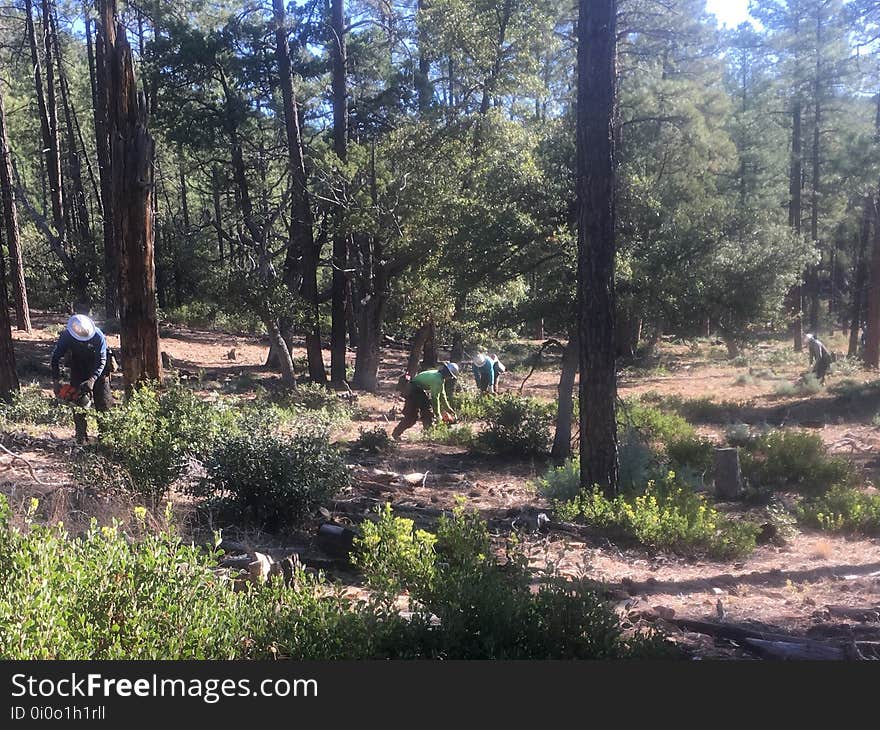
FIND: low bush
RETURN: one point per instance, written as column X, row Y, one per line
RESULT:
column 155, row 433
column 654, row 423
column 313, row 397
column 29, row 406
column 561, row 483
column 470, row 405
column 792, row 460
column 271, row 480
column 515, row 425
column 744, row 379
column 374, row 441
column 668, row 516
column 443, row 433
column 102, row 597
column 843, row 509
column 807, row 385
column 484, row 607
column 693, row 452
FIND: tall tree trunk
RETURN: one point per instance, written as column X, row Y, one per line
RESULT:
column 8, row 376
column 367, row 360
column 10, row 225
column 562, row 439
column 218, row 219
column 417, row 348
column 858, row 292
column 794, row 218
column 872, row 314
column 812, row 280
column 596, row 176
column 131, row 164
column 102, row 149
column 340, row 236
column 423, row 82
column 78, row 210
column 282, row 353
column 301, row 228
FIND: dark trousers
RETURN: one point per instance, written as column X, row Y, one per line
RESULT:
column 416, row 406
column 821, row 368
column 102, row 400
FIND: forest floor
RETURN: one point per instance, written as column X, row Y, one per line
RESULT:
column 783, row 589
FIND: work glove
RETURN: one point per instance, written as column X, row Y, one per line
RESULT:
column 87, row 385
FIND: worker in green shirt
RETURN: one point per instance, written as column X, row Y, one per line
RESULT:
column 426, row 398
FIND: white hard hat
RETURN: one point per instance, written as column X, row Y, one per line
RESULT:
column 479, row 360
column 81, row 327
column 452, row 369
column 810, row 337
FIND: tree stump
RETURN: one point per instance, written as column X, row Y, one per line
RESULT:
column 728, row 478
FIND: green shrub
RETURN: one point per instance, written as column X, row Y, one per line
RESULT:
column 561, row 483
column 694, row 452
column 313, row 397
column 808, row 385
column 706, row 410
column 738, row 434
column 470, row 405
column 654, row 423
column 486, row 608
column 103, row 597
column 393, row 555
column 271, row 480
column 443, row 433
column 744, row 379
column 517, row 425
column 374, row 440
column 843, row 509
column 668, row 516
column 792, row 460
column 154, row 433
column 29, row 406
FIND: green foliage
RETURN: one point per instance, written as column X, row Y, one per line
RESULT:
column 155, row 432
column 792, row 460
column 654, row 423
column 744, row 379
column 807, row 385
column 374, row 440
column 271, row 480
column 561, row 483
column 843, row 509
column 668, row 516
column 393, row 554
column 450, row 435
column 482, row 607
column 470, row 405
column 313, row 397
column 30, row 407
column 692, row 452
column 515, row 425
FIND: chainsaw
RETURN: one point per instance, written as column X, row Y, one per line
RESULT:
column 75, row 396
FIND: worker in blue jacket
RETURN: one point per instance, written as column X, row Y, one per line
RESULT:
column 89, row 368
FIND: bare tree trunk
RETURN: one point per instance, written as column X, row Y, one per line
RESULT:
column 794, row 218
column 429, row 349
column 858, row 292
column 131, row 163
column 282, row 352
column 102, row 148
column 340, row 236
column 8, row 377
column 596, row 168
column 417, row 348
column 367, row 360
column 302, row 232
column 562, row 439
column 10, row 224
column 872, row 315
column 423, row 82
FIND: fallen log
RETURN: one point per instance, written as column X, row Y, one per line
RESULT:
column 769, row 644
column 855, row 614
column 795, row 650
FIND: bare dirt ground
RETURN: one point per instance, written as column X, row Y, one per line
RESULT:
column 785, row 589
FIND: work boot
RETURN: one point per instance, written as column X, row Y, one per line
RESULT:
column 81, row 427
